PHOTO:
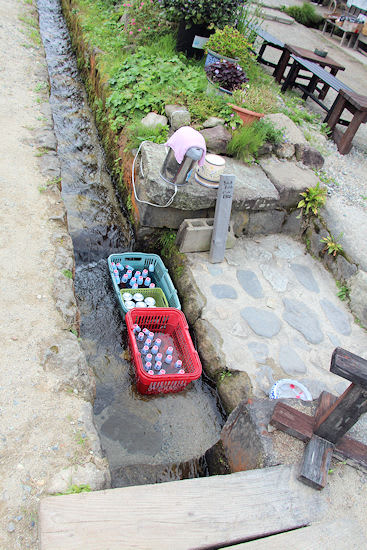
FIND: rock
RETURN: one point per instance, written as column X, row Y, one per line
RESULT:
column 213, row 121
column 152, row 120
column 239, row 221
column 178, row 116
column 265, row 378
column 358, row 293
column 263, row 323
column 289, row 179
column 46, row 139
column 88, row 474
column 290, row 361
column 337, row 317
column 305, row 277
column 210, row 344
column 259, row 351
column 250, row 283
column 284, row 150
column 217, row 139
column 216, row 460
column 309, row 156
column 275, row 276
column 299, row 316
column 293, row 224
column 192, row 299
column 343, row 270
column 11, row 527
column 234, row 388
column 50, row 165
column 264, row 222
column 265, row 150
column 66, row 361
column 253, row 190
column 222, row 291
column 63, row 292
column 291, row 131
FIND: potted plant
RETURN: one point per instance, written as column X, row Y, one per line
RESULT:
column 252, row 102
column 197, row 17
column 228, row 44
column 229, row 76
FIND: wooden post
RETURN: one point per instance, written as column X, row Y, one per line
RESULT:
column 316, row 462
column 221, row 218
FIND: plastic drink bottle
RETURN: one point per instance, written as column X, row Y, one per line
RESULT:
column 151, row 268
column 147, row 282
column 169, row 350
column 129, row 273
column 141, row 336
column 152, row 285
column 144, row 350
column 158, row 342
column 158, row 366
column 178, row 364
column 158, row 357
column 168, row 359
column 154, row 350
column 144, row 273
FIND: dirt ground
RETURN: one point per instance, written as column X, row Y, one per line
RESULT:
column 41, row 426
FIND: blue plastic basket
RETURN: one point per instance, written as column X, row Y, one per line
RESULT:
column 139, row 260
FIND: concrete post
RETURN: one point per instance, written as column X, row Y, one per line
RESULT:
column 221, row 218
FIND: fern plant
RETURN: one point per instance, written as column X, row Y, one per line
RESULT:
column 313, row 199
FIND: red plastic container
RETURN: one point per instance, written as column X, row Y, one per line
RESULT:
column 169, row 321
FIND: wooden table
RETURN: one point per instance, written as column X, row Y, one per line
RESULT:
column 345, row 33
column 325, row 62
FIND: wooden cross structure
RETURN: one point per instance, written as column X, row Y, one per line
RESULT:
column 325, row 432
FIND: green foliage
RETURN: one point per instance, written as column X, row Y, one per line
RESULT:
column 273, row 135
column 305, row 14
column 224, row 374
column 144, row 21
column 331, row 245
column 325, row 178
column 167, row 241
column 75, row 489
column 251, row 15
column 67, row 273
column 231, row 43
column 138, row 132
column 247, row 140
column 260, row 98
column 142, row 85
column 216, row 12
column 313, row 199
column 343, row 292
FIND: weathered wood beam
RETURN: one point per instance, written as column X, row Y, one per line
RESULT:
column 349, row 366
column 316, row 462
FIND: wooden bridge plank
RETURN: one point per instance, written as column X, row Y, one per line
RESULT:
column 194, row 513
column 342, row 534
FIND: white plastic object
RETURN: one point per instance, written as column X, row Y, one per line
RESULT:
column 288, row 388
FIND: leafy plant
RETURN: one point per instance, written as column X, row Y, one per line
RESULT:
column 313, row 199
column 273, row 135
column 76, row 489
column 224, row 374
column 138, row 132
column 305, row 14
column 331, row 245
column 167, row 240
column 216, row 12
column 246, row 141
column 260, row 98
column 143, row 20
column 228, row 75
column 251, row 15
column 67, row 273
column 343, row 292
column 231, row 43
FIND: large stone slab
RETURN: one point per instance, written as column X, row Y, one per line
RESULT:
column 291, row 131
column 263, row 323
column 253, row 189
column 305, row 277
column 347, row 223
column 337, row 317
column 302, row 318
column 358, row 296
column 289, row 179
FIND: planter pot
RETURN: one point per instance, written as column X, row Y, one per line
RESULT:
column 247, row 117
column 212, row 88
column 212, row 57
column 185, row 38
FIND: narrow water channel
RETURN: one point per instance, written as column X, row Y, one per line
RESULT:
column 146, row 439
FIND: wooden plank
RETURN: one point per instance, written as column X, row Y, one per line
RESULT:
column 349, row 366
column 353, row 451
column 292, row 422
column 180, row 515
column 316, row 462
column 325, row 401
column 344, row 534
column 342, row 415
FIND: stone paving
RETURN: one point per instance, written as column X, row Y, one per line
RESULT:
column 278, row 313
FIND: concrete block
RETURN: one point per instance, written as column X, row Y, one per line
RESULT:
column 195, row 235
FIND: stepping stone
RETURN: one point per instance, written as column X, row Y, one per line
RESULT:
column 305, row 277
column 263, row 323
column 215, row 270
column 275, row 277
column 290, row 361
column 250, row 283
column 337, row 317
column 303, row 319
column 223, row 291
column 259, row 351
column 333, row 339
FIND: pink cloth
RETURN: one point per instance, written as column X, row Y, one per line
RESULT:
column 183, row 139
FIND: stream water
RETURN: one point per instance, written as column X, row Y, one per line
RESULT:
column 146, row 439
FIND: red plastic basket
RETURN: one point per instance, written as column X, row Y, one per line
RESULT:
column 170, row 321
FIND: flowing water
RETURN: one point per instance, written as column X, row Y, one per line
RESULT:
column 146, row 439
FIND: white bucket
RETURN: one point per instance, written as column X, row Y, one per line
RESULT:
column 209, row 174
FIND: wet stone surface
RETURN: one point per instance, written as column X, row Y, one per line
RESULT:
column 223, row 291
column 263, row 323
column 305, row 277
column 336, row 316
column 300, row 317
column 250, row 283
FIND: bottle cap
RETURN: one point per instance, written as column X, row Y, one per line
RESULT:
column 168, row 359
column 148, row 342
column 155, row 350
column 150, row 372
column 141, row 336
column 152, row 285
column 158, row 357
column 162, row 371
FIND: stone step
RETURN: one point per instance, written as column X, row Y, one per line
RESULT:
column 195, row 513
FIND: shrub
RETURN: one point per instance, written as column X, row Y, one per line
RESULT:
column 231, row 43
column 246, row 141
column 143, row 20
column 305, row 14
column 227, row 75
column 216, row 12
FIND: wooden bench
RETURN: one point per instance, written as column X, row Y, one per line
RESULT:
column 355, row 104
column 268, row 41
